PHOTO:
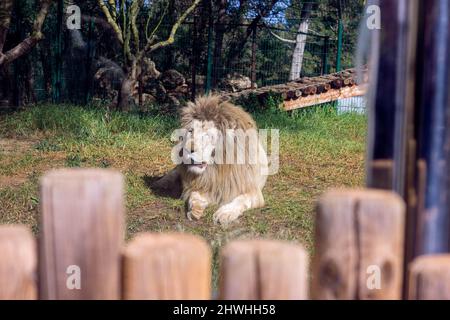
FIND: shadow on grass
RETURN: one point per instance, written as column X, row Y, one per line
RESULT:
column 164, row 187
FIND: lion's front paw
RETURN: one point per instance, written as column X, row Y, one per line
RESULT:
column 226, row 214
column 196, row 206
column 193, row 214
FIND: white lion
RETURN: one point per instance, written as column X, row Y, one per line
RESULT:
column 219, row 166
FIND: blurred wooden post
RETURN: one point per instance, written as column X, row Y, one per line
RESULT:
column 18, row 263
column 359, row 245
column 253, row 64
column 167, row 266
column 429, row 278
column 431, row 234
column 391, row 104
column 81, row 234
column 263, row 269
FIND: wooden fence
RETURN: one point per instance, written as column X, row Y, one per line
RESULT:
column 81, row 252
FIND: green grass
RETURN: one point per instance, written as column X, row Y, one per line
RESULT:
column 319, row 149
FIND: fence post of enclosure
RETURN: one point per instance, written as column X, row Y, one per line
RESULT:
column 167, row 267
column 431, row 234
column 391, row 115
column 263, row 270
column 57, row 75
column 358, row 245
column 429, row 278
column 326, row 42
column 210, row 50
column 89, row 58
column 18, row 263
column 194, row 59
column 81, row 234
column 392, row 108
column 253, row 65
column 339, row 38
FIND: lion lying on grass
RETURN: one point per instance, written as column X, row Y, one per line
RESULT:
column 221, row 160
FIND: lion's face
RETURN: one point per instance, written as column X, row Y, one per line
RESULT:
column 199, row 145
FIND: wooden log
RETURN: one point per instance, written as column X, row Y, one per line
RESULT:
column 82, row 212
column 337, row 83
column 305, row 86
column 331, row 95
column 315, row 81
column 331, row 77
column 305, row 81
column 313, row 90
column 348, row 82
column 358, row 245
column 291, row 95
column 167, row 266
column 321, row 88
column 306, row 91
column 263, row 269
column 429, row 278
column 17, row 264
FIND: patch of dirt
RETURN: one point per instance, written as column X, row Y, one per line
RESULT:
column 7, row 181
column 154, row 216
column 10, row 146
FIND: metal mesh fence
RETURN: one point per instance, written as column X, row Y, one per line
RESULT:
column 65, row 63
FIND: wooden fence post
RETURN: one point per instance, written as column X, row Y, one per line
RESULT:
column 359, row 245
column 81, row 234
column 17, row 263
column 167, row 266
column 263, row 269
column 429, row 278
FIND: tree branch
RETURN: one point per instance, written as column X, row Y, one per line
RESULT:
column 254, row 24
column 161, row 18
column 134, row 11
column 112, row 4
column 171, row 38
column 28, row 43
column 111, row 20
column 282, row 39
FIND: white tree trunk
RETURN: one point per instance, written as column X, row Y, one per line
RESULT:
column 299, row 51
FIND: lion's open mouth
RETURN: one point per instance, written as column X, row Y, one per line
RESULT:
column 199, row 165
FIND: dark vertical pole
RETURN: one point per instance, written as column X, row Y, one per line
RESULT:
column 210, row 50
column 194, row 59
column 58, row 53
column 392, row 105
column 16, row 99
column 326, row 42
column 339, row 38
column 89, row 62
column 391, row 143
column 432, row 229
column 253, row 66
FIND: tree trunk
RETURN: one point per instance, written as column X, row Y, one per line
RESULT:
column 300, row 42
column 6, row 85
column 127, row 93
